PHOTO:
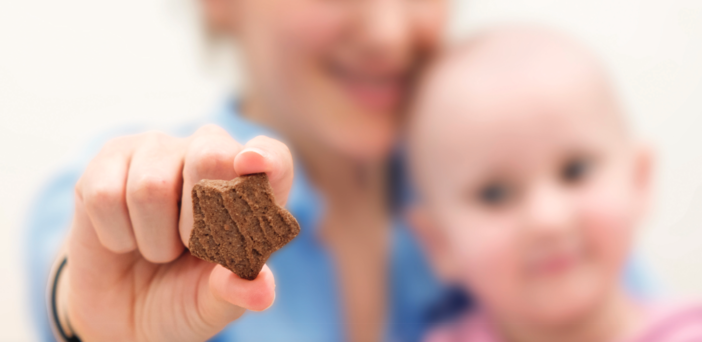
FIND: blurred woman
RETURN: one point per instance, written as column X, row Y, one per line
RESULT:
column 326, row 80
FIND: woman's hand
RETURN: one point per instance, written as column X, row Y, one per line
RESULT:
column 128, row 277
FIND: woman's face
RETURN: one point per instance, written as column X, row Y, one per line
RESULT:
column 336, row 72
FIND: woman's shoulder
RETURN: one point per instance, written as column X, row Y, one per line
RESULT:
column 672, row 322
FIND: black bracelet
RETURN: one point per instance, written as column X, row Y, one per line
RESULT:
column 54, row 311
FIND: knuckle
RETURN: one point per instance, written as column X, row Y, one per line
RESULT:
column 149, row 188
column 102, row 196
column 210, row 129
column 154, row 137
column 210, row 159
column 117, row 143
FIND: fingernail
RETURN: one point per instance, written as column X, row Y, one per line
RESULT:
column 254, row 150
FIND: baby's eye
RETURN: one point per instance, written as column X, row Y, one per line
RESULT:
column 495, row 194
column 575, row 170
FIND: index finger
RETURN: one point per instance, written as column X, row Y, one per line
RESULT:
column 263, row 154
column 210, row 155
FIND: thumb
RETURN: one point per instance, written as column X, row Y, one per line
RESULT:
column 228, row 296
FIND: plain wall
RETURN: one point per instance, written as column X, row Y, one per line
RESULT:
column 71, row 69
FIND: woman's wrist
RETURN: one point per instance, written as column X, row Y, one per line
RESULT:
column 58, row 314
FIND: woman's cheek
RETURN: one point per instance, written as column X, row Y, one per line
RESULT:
column 307, row 25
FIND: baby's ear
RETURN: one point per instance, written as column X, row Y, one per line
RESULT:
column 643, row 175
column 431, row 239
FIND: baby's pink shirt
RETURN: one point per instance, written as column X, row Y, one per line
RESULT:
column 664, row 323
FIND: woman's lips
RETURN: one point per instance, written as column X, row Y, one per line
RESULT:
column 378, row 97
column 376, row 92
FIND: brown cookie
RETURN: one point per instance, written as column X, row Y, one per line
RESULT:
column 237, row 223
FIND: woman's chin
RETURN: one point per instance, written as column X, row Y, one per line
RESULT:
column 366, row 146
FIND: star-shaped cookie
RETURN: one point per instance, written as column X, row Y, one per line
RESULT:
column 238, row 224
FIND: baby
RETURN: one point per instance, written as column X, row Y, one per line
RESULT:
column 531, row 187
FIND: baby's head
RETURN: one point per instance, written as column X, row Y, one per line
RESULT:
column 530, row 184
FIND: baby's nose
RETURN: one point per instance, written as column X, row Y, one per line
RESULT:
column 548, row 210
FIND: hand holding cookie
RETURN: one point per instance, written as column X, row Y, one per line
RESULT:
column 133, row 220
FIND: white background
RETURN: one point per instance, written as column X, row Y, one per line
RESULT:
column 70, row 69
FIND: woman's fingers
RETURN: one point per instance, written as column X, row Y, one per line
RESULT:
column 153, row 193
column 88, row 254
column 210, row 155
column 133, row 188
column 263, row 154
column 102, row 190
column 255, row 295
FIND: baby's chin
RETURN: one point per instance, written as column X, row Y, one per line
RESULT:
column 560, row 304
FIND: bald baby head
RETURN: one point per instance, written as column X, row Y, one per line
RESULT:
column 503, row 84
column 529, row 184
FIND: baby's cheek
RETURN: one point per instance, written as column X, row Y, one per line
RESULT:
column 486, row 255
column 607, row 222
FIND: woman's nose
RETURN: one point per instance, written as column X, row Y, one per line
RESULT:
column 385, row 26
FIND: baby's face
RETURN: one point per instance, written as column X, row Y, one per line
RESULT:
column 530, row 195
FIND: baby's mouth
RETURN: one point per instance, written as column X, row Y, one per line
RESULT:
column 556, row 261
column 554, row 265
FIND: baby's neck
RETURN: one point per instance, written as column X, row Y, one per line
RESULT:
column 616, row 318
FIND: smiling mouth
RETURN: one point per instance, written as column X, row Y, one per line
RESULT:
column 375, row 91
column 556, row 264
column 558, row 261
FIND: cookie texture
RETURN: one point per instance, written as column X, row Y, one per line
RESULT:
column 237, row 223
